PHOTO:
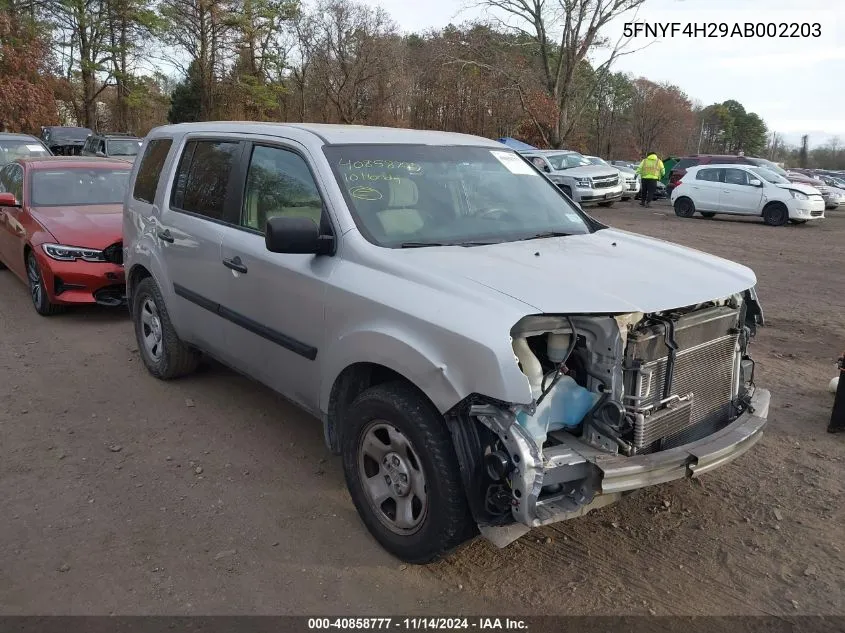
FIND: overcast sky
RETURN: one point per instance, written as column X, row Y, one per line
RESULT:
column 796, row 85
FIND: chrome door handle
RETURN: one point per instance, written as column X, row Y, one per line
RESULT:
column 236, row 264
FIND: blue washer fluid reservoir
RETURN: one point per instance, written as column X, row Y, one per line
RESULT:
column 570, row 402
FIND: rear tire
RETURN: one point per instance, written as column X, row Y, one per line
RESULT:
column 776, row 214
column 162, row 351
column 684, row 208
column 38, row 290
column 708, row 214
column 403, row 475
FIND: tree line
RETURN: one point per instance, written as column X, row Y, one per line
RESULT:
column 129, row 65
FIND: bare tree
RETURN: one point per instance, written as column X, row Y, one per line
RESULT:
column 563, row 33
column 82, row 37
column 348, row 52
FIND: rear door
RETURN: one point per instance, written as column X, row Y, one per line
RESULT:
column 203, row 199
column 276, row 300
column 705, row 188
column 737, row 195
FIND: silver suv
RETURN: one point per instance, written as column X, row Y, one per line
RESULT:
column 483, row 354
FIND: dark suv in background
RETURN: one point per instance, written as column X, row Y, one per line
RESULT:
column 121, row 146
column 680, row 168
column 65, row 140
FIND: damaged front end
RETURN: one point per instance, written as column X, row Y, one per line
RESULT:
column 618, row 402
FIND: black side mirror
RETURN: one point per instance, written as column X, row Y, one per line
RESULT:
column 299, row 236
column 547, row 169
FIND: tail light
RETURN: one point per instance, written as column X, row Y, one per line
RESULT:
column 679, row 183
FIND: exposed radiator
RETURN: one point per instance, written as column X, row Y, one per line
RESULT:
column 701, row 392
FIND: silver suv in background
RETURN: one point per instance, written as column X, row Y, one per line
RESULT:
column 629, row 177
column 483, row 354
column 585, row 183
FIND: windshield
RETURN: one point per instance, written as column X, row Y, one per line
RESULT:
column 13, row 150
column 770, row 176
column 419, row 195
column 567, row 161
column 78, row 187
column 767, row 164
column 67, row 134
column 123, row 147
column 595, row 160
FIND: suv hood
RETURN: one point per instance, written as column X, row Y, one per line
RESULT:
column 95, row 226
column 606, row 272
column 588, row 171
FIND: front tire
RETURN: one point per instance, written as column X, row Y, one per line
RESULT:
column 684, row 208
column 568, row 191
column 402, row 473
column 38, row 290
column 163, row 352
column 776, row 214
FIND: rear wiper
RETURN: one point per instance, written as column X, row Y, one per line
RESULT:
column 545, row 234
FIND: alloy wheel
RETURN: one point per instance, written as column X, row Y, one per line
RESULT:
column 36, row 288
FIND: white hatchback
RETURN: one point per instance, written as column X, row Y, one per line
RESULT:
column 745, row 190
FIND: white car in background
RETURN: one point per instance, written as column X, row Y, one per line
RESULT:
column 745, row 190
column 630, row 178
column 583, row 182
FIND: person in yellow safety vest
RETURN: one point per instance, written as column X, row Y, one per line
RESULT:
column 650, row 170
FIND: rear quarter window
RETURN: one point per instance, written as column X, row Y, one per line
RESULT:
column 149, row 171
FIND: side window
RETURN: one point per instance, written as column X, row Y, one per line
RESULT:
column 149, row 172
column 279, row 183
column 4, row 179
column 685, row 163
column 736, row 177
column 202, row 179
column 710, row 175
column 11, row 181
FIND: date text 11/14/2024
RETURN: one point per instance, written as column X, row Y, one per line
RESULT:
column 419, row 623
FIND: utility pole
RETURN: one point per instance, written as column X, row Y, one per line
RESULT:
column 700, row 135
column 802, row 157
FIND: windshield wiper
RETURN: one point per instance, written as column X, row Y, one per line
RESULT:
column 420, row 244
column 424, row 244
column 545, row 234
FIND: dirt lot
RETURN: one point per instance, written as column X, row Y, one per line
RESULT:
column 121, row 494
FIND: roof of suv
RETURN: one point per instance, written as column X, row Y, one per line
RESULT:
column 332, row 134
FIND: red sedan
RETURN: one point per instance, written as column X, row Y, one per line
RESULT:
column 60, row 229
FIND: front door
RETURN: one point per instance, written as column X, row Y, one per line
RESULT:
column 189, row 235
column 737, row 195
column 276, row 299
column 12, row 231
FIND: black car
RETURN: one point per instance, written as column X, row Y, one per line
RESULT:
column 63, row 140
column 15, row 146
column 122, row 146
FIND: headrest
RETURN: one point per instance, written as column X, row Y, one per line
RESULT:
column 403, row 193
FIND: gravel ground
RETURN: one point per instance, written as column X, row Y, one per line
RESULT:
column 210, row 495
